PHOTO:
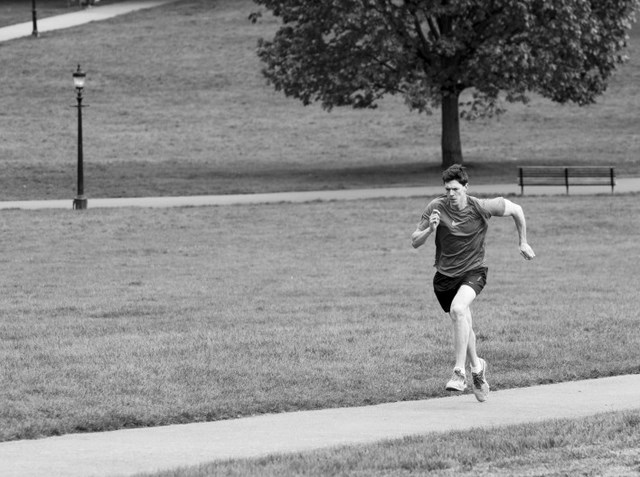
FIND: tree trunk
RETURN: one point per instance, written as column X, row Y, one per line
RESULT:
column 451, row 146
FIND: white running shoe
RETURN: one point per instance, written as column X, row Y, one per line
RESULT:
column 458, row 381
column 480, row 384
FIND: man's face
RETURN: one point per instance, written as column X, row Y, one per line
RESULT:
column 456, row 193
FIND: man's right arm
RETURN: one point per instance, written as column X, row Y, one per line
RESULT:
column 425, row 228
column 419, row 237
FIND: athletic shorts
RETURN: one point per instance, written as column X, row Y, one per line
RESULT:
column 446, row 287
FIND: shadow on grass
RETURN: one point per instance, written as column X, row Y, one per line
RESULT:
column 172, row 178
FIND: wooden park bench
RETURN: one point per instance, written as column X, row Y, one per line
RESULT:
column 82, row 3
column 566, row 176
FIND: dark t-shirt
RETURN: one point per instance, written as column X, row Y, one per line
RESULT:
column 460, row 236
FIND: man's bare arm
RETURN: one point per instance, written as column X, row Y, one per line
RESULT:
column 515, row 211
column 422, row 232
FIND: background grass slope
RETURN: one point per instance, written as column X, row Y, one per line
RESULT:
column 178, row 106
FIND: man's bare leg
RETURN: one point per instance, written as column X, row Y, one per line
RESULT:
column 465, row 346
column 472, row 356
column 464, row 338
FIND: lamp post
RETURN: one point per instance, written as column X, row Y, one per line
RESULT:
column 34, row 17
column 80, row 202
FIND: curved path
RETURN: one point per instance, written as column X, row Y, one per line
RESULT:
column 624, row 185
column 127, row 452
column 68, row 20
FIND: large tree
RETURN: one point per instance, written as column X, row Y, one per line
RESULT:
column 353, row 52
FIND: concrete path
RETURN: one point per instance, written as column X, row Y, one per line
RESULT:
column 127, row 452
column 68, row 20
column 625, row 185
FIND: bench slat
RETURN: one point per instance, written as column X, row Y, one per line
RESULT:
column 542, row 181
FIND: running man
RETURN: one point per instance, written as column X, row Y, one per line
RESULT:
column 460, row 222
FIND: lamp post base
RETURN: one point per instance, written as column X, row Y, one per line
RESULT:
column 80, row 203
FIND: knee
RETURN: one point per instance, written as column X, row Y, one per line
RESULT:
column 458, row 311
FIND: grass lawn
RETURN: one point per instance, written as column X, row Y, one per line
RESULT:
column 135, row 317
column 602, row 445
column 178, row 107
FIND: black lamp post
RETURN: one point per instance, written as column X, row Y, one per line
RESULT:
column 80, row 202
column 34, row 17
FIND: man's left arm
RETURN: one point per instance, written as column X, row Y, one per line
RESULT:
column 515, row 211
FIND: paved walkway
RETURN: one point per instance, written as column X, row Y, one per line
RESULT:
column 625, row 185
column 127, row 452
column 68, row 20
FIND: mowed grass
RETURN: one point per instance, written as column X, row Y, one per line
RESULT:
column 141, row 317
column 607, row 444
column 178, row 106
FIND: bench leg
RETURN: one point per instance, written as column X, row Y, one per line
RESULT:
column 613, row 180
column 521, row 174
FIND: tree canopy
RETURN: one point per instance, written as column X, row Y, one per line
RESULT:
column 354, row 52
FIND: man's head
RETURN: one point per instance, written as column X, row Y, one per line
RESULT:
column 455, row 180
column 455, row 173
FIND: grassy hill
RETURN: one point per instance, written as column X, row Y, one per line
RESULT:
column 177, row 106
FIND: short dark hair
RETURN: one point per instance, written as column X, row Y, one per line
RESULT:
column 456, row 173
